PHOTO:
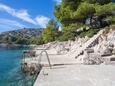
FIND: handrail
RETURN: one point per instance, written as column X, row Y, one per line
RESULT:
column 40, row 55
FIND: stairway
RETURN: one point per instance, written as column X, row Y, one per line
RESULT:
column 79, row 50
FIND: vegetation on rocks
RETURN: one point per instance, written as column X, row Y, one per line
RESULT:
column 78, row 18
column 51, row 31
column 23, row 36
column 94, row 14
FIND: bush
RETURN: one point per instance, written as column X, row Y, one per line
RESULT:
column 65, row 36
column 89, row 33
column 112, row 27
column 37, row 40
column 106, row 31
column 111, row 20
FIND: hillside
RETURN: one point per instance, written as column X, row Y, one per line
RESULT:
column 22, row 36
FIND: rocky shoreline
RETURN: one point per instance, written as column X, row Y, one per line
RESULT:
column 100, row 49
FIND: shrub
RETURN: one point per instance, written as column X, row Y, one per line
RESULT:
column 66, row 36
column 112, row 27
column 37, row 40
column 106, row 31
column 89, row 33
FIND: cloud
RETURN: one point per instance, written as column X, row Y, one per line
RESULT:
column 42, row 21
column 6, row 24
column 25, row 16
column 58, row 1
column 22, row 14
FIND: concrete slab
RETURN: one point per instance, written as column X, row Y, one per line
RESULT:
column 77, row 75
column 54, row 59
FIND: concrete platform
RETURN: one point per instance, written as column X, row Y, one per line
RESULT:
column 54, row 59
column 77, row 75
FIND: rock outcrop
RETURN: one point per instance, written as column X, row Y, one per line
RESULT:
column 100, row 46
column 104, row 48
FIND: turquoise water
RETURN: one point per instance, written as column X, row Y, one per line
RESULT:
column 10, row 68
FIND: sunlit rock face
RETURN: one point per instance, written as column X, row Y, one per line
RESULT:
column 111, row 37
column 104, row 48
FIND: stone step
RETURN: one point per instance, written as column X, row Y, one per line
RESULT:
column 86, row 45
column 109, row 59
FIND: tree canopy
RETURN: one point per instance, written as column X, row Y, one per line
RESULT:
column 73, row 11
column 74, row 14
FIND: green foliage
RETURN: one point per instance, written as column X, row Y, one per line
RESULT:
column 64, row 14
column 21, row 36
column 66, row 36
column 37, row 40
column 72, row 27
column 16, row 40
column 106, row 31
column 102, row 2
column 73, row 4
column 112, row 26
column 89, row 33
column 111, row 20
column 5, row 39
column 50, row 32
column 74, row 11
column 73, row 14
column 21, row 41
column 104, row 9
column 84, row 10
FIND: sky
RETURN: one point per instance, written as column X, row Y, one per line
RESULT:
column 18, row 14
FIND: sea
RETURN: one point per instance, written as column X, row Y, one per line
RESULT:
column 10, row 68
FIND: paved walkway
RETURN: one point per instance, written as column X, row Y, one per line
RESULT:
column 77, row 75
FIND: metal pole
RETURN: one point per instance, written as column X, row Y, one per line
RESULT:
column 48, row 59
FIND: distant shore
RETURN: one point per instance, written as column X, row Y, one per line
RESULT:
column 16, row 45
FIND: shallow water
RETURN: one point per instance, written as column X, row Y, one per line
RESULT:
column 10, row 68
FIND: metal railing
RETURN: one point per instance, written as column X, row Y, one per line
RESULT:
column 40, row 57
